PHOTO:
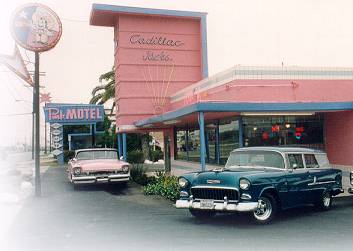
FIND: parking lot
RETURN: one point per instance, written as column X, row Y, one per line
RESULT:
column 113, row 218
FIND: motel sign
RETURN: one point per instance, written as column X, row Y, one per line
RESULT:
column 73, row 113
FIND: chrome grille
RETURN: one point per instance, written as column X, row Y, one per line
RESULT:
column 214, row 193
column 101, row 173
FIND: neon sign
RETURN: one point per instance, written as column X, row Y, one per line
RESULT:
column 73, row 113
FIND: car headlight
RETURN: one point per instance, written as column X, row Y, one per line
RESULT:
column 77, row 170
column 244, row 184
column 125, row 168
column 183, row 182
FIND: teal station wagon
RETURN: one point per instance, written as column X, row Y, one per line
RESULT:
column 262, row 180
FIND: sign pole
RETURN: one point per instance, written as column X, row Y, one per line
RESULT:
column 37, row 124
column 33, row 126
column 45, row 135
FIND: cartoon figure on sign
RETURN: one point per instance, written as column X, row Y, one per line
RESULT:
column 42, row 25
column 36, row 27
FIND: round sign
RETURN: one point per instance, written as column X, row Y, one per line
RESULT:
column 36, row 27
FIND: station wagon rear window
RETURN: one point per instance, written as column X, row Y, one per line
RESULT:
column 99, row 154
column 255, row 158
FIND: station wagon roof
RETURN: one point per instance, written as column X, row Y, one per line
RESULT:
column 280, row 149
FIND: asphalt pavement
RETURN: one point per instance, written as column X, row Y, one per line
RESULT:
column 115, row 218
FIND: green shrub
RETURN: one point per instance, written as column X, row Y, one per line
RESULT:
column 135, row 157
column 138, row 175
column 156, row 155
column 165, row 186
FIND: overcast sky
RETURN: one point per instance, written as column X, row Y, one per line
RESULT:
column 268, row 32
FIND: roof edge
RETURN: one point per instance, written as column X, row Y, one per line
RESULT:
column 142, row 11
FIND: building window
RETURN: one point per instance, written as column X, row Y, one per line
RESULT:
column 228, row 138
column 181, row 145
column 284, row 130
column 194, row 145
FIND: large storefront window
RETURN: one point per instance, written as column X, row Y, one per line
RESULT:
column 284, row 130
column 228, row 138
column 221, row 137
column 181, row 145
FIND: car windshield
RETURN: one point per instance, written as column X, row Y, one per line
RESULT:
column 99, row 154
column 255, row 158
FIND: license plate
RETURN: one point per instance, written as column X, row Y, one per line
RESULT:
column 206, row 204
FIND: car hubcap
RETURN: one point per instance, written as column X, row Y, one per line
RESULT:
column 327, row 200
column 264, row 209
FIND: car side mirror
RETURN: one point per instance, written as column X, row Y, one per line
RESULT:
column 121, row 158
column 295, row 166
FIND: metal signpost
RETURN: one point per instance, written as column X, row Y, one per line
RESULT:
column 37, row 28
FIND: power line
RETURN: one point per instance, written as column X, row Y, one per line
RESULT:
column 15, row 114
column 74, row 20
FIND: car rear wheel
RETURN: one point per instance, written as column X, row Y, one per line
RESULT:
column 202, row 214
column 267, row 209
column 325, row 201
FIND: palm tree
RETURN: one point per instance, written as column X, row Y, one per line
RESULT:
column 104, row 92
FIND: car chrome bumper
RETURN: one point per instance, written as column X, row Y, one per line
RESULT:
column 107, row 179
column 219, row 206
column 350, row 190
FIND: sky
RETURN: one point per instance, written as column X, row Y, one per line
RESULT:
column 252, row 32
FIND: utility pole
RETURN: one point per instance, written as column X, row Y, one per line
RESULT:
column 37, row 125
column 33, row 127
column 45, row 135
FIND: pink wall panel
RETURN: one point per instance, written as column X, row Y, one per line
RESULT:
column 339, row 137
column 136, row 73
column 156, row 56
column 143, row 89
column 169, row 25
column 158, row 50
column 127, row 118
column 275, row 91
column 144, row 40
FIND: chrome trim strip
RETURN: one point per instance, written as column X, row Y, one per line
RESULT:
column 320, row 183
column 114, row 176
column 216, row 187
column 218, row 206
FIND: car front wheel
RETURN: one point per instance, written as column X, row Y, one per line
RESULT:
column 202, row 214
column 266, row 210
column 325, row 201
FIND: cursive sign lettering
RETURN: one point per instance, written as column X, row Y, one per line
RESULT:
column 74, row 114
column 155, row 40
column 153, row 56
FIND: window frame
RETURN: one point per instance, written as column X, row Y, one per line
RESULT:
column 297, row 153
column 317, row 163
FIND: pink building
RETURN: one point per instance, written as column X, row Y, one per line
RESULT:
column 162, row 84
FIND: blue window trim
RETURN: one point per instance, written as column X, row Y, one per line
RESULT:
column 247, row 107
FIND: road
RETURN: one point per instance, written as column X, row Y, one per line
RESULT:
column 106, row 218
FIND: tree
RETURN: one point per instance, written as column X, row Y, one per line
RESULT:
column 104, row 92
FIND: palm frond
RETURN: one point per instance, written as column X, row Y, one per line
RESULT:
column 97, row 89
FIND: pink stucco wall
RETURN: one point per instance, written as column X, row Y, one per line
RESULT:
column 339, row 137
column 147, row 74
column 267, row 90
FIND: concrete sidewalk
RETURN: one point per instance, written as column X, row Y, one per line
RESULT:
column 17, row 175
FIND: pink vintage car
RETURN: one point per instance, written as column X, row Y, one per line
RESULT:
column 97, row 165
